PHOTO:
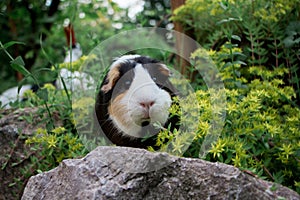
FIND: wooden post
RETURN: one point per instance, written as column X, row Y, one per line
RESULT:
column 183, row 46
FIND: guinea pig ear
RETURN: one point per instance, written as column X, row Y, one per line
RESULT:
column 165, row 70
column 111, row 79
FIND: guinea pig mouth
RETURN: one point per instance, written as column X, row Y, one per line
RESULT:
column 145, row 122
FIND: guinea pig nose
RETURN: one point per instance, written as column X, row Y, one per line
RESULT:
column 147, row 104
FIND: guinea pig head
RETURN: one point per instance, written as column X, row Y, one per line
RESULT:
column 139, row 95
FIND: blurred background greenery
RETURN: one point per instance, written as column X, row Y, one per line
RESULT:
column 39, row 24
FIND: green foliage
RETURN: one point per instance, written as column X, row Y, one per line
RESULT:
column 16, row 63
column 261, row 132
column 40, row 24
column 255, row 46
column 155, row 14
column 266, row 32
column 24, row 21
column 54, row 146
column 56, row 139
column 75, row 65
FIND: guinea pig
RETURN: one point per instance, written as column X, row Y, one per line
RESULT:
column 135, row 94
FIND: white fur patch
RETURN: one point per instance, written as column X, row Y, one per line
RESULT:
column 123, row 59
column 142, row 90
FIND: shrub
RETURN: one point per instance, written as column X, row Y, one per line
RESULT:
column 255, row 46
column 266, row 32
column 261, row 131
column 57, row 140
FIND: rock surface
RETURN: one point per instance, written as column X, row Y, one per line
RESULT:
column 127, row 173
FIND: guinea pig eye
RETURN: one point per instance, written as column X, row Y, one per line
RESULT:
column 154, row 78
column 128, row 82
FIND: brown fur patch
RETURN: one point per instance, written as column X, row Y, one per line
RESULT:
column 117, row 110
column 164, row 70
column 112, row 76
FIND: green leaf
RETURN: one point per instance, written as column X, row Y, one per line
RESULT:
column 236, row 37
column 267, row 162
column 8, row 44
column 238, row 54
column 224, row 5
column 238, row 62
column 14, row 164
column 230, row 45
column 19, row 65
column 228, row 20
column 229, row 157
column 221, row 159
column 237, row 73
column 12, row 184
column 240, row 85
column 227, row 64
column 43, row 94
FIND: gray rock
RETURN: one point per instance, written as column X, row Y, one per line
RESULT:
column 127, row 173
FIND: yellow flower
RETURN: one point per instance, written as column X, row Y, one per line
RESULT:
column 49, row 87
column 236, row 161
column 29, row 94
column 231, row 108
column 60, row 157
column 58, row 130
column 41, row 131
column 51, row 141
column 76, row 147
column 203, row 128
column 30, row 140
column 218, row 148
column 287, row 150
